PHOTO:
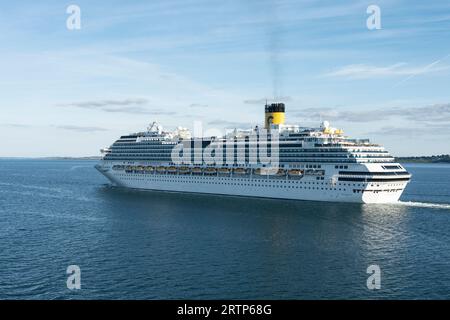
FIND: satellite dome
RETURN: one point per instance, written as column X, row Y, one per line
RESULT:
column 325, row 124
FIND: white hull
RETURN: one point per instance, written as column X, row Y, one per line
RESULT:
column 306, row 188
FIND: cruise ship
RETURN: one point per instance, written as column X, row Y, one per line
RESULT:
column 277, row 160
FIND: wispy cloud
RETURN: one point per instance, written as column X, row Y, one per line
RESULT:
column 130, row 106
column 62, row 127
column 262, row 101
column 428, row 67
column 138, row 110
column 80, row 128
column 432, row 113
column 229, row 124
column 16, row 125
column 348, row 115
column 198, row 105
column 106, row 103
column 411, row 131
column 364, row 71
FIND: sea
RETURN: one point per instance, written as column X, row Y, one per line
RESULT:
column 65, row 233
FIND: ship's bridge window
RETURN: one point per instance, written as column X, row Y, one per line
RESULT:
column 391, row 167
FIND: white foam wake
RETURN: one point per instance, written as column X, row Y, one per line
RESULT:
column 425, row 205
column 78, row 167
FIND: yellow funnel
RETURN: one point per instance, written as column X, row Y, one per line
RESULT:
column 274, row 114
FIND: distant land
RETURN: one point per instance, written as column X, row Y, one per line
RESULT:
column 52, row 158
column 72, row 158
column 443, row 158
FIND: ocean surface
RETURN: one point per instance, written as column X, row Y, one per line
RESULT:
column 156, row 245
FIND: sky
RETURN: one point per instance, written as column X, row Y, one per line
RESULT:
column 71, row 92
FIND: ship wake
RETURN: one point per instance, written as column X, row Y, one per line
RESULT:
column 425, row 205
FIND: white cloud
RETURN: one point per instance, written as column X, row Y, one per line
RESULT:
column 435, row 113
column 364, row 71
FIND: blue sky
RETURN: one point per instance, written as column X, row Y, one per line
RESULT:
column 70, row 93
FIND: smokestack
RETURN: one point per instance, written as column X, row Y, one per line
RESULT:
column 274, row 114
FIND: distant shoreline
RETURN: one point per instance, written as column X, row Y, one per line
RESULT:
column 51, row 158
column 425, row 159
column 72, row 158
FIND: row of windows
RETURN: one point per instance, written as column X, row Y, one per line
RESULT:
column 138, row 147
column 366, row 173
column 244, row 184
column 393, row 167
column 269, row 182
column 305, row 158
column 168, row 159
column 246, row 154
column 376, row 191
column 373, row 179
column 259, row 183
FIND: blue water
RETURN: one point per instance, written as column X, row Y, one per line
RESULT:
column 154, row 245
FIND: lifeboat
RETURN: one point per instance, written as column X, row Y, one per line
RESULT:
column 172, row 169
column 149, row 169
column 224, row 170
column 270, row 172
column 259, row 171
column 197, row 170
column 295, row 172
column 184, row 170
column 239, row 171
column 210, row 170
column 161, row 169
column 313, row 172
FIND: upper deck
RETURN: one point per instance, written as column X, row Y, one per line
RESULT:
column 294, row 145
